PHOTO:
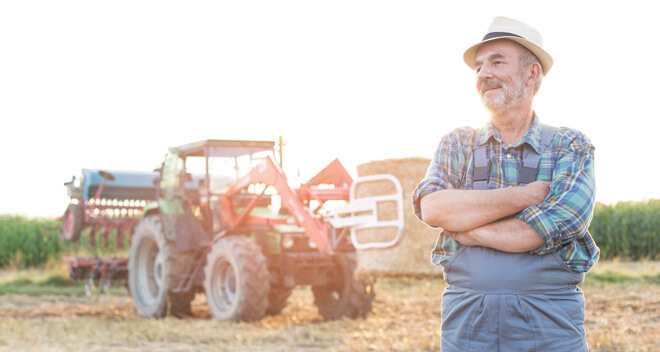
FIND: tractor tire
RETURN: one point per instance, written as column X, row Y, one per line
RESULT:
column 277, row 299
column 72, row 223
column 344, row 295
column 236, row 280
column 155, row 267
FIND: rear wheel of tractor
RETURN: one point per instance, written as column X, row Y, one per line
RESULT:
column 344, row 295
column 236, row 280
column 155, row 267
column 72, row 223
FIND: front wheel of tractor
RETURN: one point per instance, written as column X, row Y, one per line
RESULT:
column 236, row 280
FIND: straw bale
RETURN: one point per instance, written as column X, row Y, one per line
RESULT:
column 411, row 255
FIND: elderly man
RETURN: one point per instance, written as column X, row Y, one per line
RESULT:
column 514, row 200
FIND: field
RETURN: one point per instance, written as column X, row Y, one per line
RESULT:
column 44, row 312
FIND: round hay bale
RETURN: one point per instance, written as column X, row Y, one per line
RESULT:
column 411, row 255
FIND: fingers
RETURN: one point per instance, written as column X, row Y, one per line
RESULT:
column 537, row 191
column 545, row 184
column 461, row 237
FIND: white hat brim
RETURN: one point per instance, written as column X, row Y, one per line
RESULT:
column 470, row 55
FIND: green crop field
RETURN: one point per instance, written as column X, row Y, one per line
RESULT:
column 28, row 242
column 629, row 230
column 626, row 230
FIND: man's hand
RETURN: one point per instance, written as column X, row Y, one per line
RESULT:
column 465, row 238
column 536, row 192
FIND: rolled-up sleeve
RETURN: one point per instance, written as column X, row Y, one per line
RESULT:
column 447, row 166
column 566, row 213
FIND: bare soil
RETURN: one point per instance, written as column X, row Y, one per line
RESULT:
column 406, row 317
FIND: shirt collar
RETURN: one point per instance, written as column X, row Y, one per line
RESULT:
column 531, row 137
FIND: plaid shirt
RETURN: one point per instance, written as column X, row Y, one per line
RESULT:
column 562, row 220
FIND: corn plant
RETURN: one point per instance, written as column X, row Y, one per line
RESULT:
column 27, row 242
column 629, row 230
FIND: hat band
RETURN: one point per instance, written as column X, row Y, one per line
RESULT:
column 500, row 34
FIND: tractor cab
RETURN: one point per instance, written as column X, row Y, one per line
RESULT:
column 192, row 180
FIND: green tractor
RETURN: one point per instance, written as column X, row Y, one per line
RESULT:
column 227, row 223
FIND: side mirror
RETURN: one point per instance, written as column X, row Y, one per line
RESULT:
column 73, row 179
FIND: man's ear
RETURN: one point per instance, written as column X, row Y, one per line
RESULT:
column 533, row 73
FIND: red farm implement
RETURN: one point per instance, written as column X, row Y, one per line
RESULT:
column 104, row 202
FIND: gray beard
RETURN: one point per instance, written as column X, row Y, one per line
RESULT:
column 505, row 99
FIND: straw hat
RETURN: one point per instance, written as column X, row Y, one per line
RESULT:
column 523, row 34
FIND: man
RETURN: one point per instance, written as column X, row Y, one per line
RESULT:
column 514, row 200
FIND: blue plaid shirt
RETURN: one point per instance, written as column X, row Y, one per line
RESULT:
column 562, row 220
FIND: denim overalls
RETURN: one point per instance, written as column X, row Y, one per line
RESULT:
column 498, row 301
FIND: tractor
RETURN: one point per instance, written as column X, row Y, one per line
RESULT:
column 243, row 237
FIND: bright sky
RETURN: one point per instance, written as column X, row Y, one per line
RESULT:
column 112, row 84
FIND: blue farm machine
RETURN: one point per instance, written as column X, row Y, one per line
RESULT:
column 104, row 202
column 219, row 217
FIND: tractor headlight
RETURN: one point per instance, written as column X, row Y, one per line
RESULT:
column 311, row 243
column 287, row 242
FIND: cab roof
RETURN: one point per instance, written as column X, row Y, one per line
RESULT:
column 224, row 147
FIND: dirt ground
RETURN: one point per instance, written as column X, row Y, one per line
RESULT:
column 406, row 317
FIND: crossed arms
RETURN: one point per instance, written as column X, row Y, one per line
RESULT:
column 484, row 217
column 539, row 217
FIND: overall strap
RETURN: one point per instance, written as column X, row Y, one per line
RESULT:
column 530, row 165
column 481, row 173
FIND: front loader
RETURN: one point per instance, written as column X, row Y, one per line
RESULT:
column 244, row 237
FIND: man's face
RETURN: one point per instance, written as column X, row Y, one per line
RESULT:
column 500, row 80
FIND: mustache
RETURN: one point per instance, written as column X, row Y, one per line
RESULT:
column 490, row 84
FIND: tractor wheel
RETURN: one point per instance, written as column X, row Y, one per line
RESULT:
column 72, row 223
column 155, row 266
column 277, row 299
column 344, row 295
column 236, row 280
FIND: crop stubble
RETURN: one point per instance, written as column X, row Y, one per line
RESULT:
column 406, row 317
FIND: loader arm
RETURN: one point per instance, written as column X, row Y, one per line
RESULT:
column 268, row 173
column 334, row 174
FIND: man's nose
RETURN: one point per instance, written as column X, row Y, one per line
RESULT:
column 484, row 72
